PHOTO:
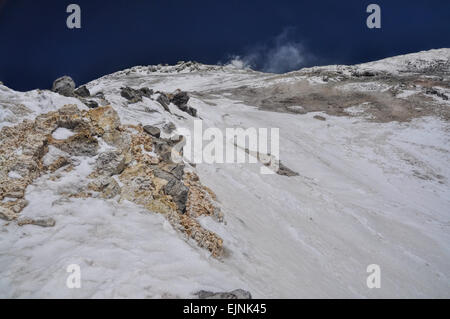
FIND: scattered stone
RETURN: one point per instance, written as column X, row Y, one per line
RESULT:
column 235, row 294
column 64, row 86
column 146, row 92
column 99, row 95
column 41, row 221
column 164, row 101
column 110, row 163
column 320, row 118
column 437, row 93
column 147, row 179
column 192, row 111
column 169, row 127
column 7, row 214
column 112, row 190
column 80, row 144
column 364, row 73
column 58, row 163
column 152, row 130
column 91, row 104
column 176, row 138
column 189, row 110
column 83, row 91
column 150, row 110
column 133, row 95
column 180, row 99
column 271, row 162
column 285, row 171
column 169, row 171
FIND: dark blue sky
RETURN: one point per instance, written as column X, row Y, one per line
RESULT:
column 36, row 46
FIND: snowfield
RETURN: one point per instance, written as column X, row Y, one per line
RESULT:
column 368, row 192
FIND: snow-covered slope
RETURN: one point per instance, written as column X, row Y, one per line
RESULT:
column 371, row 189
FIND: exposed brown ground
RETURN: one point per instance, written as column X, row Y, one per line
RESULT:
column 330, row 98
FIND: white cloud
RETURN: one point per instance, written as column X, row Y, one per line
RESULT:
column 282, row 54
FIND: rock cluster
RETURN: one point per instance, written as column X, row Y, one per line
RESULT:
column 137, row 167
column 82, row 91
column 178, row 98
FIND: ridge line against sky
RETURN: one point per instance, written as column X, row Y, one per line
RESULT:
column 280, row 36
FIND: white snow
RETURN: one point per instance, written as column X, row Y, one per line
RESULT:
column 61, row 133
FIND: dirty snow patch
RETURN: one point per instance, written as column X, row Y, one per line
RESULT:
column 14, row 175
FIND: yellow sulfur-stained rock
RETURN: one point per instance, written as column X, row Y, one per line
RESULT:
column 137, row 168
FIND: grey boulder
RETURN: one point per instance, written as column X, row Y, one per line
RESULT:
column 64, row 86
column 110, row 163
column 91, row 104
column 169, row 127
column 181, row 98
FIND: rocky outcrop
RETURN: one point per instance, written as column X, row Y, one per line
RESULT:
column 433, row 91
column 180, row 99
column 64, row 86
column 164, row 101
column 133, row 95
column 136, row 167
column 179, row 193
column 152, row 130
column 319, row 117
column 41, row 221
